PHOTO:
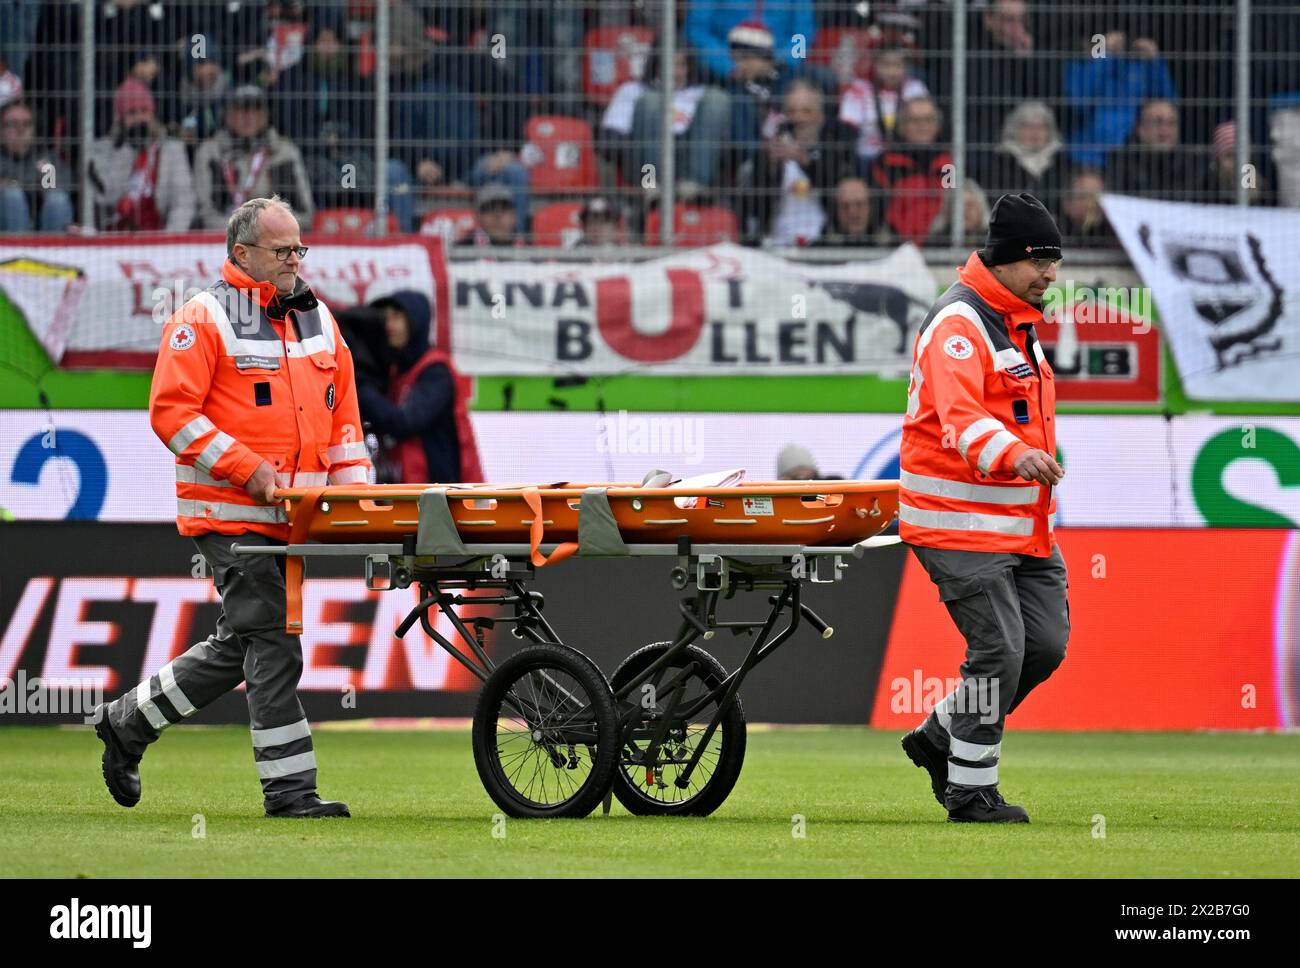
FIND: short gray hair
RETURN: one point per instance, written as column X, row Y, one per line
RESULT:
column 242, row 226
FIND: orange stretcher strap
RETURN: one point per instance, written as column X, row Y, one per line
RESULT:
column 534, row 501
column 293, row 567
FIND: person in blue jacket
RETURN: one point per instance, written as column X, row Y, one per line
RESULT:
column 710, row 22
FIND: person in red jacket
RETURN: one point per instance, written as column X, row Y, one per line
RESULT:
column 423, row 420
column 976, row 500
column 253, row 390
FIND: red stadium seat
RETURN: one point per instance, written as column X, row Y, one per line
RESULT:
column 695, row 225
column 453, row 224
column 557, row 224
column 612, row 56
column 559, row 154
column 334, row 221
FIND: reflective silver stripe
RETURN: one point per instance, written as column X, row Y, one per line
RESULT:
column 167, row 678
column 972, row 775
column 355, row 474
column 1007, row 358
column 279, row 735
column 966, row 312
column 341, row 452
column 217, row 511
column 188, row 474
column 1051, row 521
column 234, row 344
column 978, row 429
column 1038, row 352
column 965, row 521
column 996, row 445
column 301, row 479
column 974, row 752
column 191, row 432
column 944, row 711
column 151, row 712
column 984, row 493
column 212, row 453
column 914, row 398
column 287, row 766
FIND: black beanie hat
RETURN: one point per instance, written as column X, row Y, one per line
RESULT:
column 1020, row 228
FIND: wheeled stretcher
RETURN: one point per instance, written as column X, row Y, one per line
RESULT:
column 551, row 735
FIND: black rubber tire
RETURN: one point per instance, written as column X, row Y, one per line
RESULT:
column 729, row 739
column 603, row 757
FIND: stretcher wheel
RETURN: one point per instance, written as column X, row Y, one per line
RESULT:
column 546, row 734
column 651, row 789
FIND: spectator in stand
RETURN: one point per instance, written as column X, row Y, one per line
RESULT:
column 1007, row 65
column 324, row 87
column 796, row 463
column 1155, row 164
column 710, row 25
column 871, row 106
column 247, row 159
column 912, row 172
column 804, row 157
column 1082, row 220
column 497, row 219
column 11, row 84
column 1029, row 158
column 756, row 88
column 140, row 177
column 30, row 176
column 1105, row 93
column 203, row 93
column 853, row 221
column 135, row 39
column 1218, row 183
column 433, row 123
column 423, row 419
column 633, row 122
column 18, row 22
column 602, row 224
column 975, row 218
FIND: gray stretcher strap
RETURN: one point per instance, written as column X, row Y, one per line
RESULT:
column 598, row 532
column 437, row 534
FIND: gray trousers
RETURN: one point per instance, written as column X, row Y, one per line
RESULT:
column 1014, row 613
column 249, row 645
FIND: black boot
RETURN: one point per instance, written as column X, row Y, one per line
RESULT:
column 921, row 751
column 121, row 771
column 310, row 806
column 987, row 806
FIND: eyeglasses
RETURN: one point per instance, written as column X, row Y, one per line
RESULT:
column 281, row 253
column 1042, row 265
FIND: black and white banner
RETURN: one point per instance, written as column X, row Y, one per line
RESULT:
column 715, row 310
column 1225, row 283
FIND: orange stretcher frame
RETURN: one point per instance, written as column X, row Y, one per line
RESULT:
column 795, row 515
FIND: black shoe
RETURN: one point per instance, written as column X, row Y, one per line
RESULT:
column 987, row 806
column 311, row 806
column 121, row 772
column 928, row 757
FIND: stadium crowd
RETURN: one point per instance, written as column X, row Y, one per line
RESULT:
column 797, row 122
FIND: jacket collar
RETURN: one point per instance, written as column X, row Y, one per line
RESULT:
column 1013, row 309
column 301, row 299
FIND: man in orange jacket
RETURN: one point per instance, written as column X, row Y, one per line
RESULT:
column 976, row 500
column 253, row 390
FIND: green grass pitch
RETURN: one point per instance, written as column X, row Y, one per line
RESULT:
column 1174, row 805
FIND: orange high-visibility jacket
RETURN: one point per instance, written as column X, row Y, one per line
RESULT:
column 981, row 394
column 245, row 376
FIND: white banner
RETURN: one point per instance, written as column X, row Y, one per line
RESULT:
column 1121, row 471
column 716, row 310
column 103, row 302
column 1225, row 282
